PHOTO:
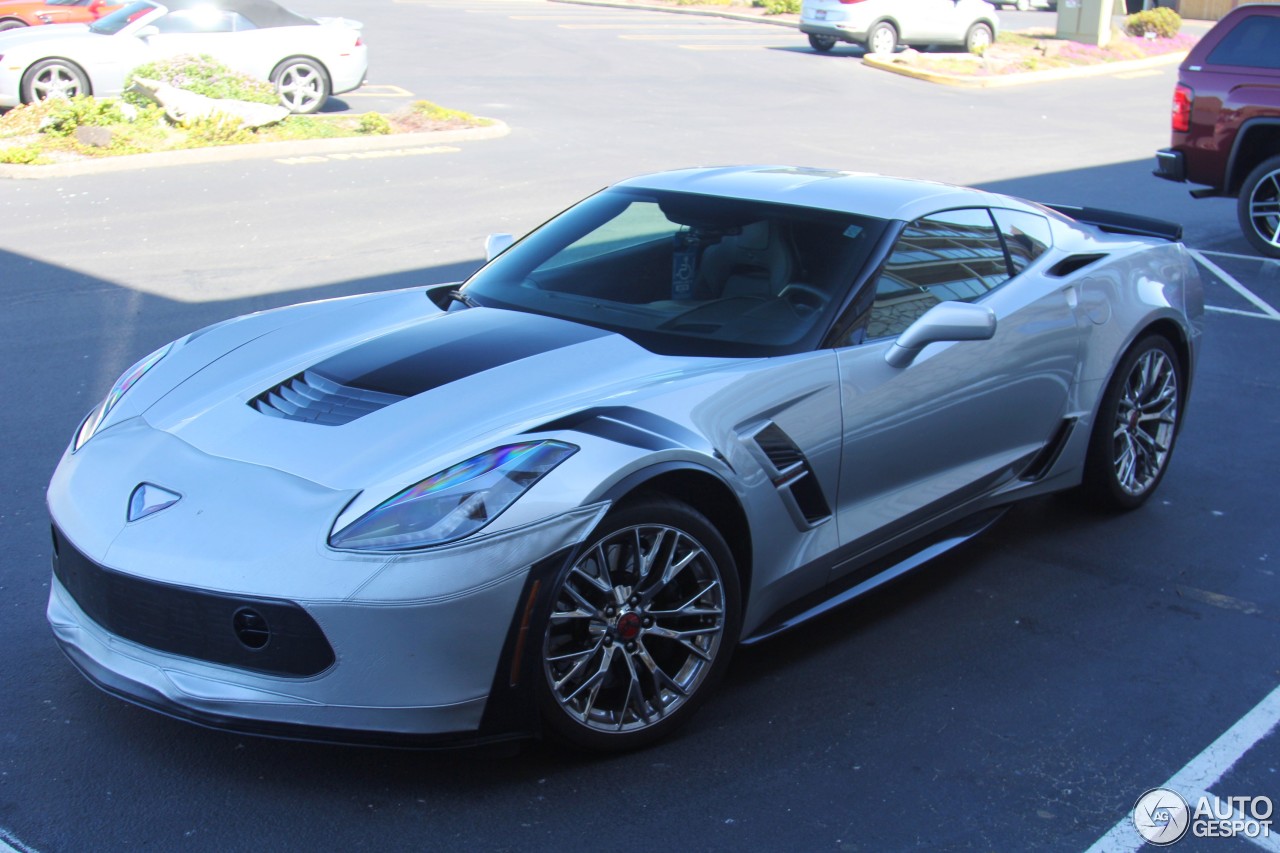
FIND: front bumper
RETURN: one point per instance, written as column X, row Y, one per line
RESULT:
column 404, row 646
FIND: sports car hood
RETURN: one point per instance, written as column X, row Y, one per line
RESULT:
column 44, row 35
column 373, row 388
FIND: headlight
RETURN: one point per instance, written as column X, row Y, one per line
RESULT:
column 126, row 381
column 454, row 503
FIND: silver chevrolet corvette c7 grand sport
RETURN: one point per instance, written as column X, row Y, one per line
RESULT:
column 687, row 413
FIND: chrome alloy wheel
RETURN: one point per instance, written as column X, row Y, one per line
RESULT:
column 1264, row 210
column 1146, row 422
column 56, row 80
column 635, row 629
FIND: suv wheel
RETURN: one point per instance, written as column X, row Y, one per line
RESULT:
column 1258, row 207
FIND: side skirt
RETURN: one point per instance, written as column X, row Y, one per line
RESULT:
column 880, row 572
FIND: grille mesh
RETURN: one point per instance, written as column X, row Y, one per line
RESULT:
column 312, row 398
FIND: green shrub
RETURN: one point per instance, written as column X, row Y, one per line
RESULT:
column 64, row 115
column 781, row 7
column 1164, row 22
column 21, row 156
column 203, row 75
column 217, row 129
column 374, row 124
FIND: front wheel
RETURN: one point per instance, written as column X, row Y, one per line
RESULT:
column 53, row 78
column 821, row 43
column 978, row 38
column 11, row 24
column 1136, row 425
column 301, row 84
column 883, row 38
column 639, row 627
column 1258, row 207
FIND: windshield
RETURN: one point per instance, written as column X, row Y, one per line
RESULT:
column 109, row 25
column 686, row 274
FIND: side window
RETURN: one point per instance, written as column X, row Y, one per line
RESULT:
column 202, row 20
column 1026, row 236
column 951, row 256
column 1254, row 42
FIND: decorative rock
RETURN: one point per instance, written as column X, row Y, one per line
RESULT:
column 182, row 106
column 96, row 137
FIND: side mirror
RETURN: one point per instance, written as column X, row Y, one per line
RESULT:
column 946, row 321
column 148, row 31
column 496, row 244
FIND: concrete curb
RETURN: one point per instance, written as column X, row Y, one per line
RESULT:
column 772, row 21
column 263, row 151
column 1024, row 78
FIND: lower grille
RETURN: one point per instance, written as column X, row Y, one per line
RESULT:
column 206, row 626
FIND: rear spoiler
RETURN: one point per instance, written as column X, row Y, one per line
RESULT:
column 1121, row 223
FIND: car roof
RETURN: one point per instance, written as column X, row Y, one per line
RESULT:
column 847, row 192
column 263, row 13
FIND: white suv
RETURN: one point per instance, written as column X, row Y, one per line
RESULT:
column 881, row 25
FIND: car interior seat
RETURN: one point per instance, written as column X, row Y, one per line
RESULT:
column 754, row 262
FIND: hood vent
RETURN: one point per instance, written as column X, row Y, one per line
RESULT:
column 315, row 399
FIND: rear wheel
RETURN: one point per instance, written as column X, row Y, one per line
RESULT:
column 54, row 78
column 978, row 38
column 302, row 84
column 1258, row 207
column 639, row 628
column 1137, row 423
column 883, row 38
column 821, row 43
column 11, row 24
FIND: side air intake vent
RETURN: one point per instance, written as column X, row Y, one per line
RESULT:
column 791, row 474
column 311, row 398
column 1068, row 265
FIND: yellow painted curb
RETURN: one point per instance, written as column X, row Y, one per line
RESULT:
column 1026, row 77
column 260, row 151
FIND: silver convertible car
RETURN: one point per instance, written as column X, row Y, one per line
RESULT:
column 690, row 412
column 306, row 59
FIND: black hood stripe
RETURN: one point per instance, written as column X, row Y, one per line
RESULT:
column 449, row 348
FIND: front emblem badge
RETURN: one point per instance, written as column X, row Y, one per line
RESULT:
column 148, row 498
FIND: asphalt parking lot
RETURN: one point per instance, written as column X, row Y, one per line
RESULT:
column 1019, row 693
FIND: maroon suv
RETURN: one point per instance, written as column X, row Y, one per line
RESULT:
column 1226, row 121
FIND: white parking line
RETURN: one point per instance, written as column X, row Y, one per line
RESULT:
column 1204, row 771
column 1238, row 257
column 10, row 844
column 1230, row 281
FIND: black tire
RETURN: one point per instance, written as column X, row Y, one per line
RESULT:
column 1136, row 427
column 821, row 43
column 882, row 38
column 302, row 84
column 11, row 24
column 628, row 653
column 978, row 38
column 54, row 78
column 1258, row 207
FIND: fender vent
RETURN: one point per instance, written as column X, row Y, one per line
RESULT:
column 1068, row 265
column 792, row 476
column 311, row 398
